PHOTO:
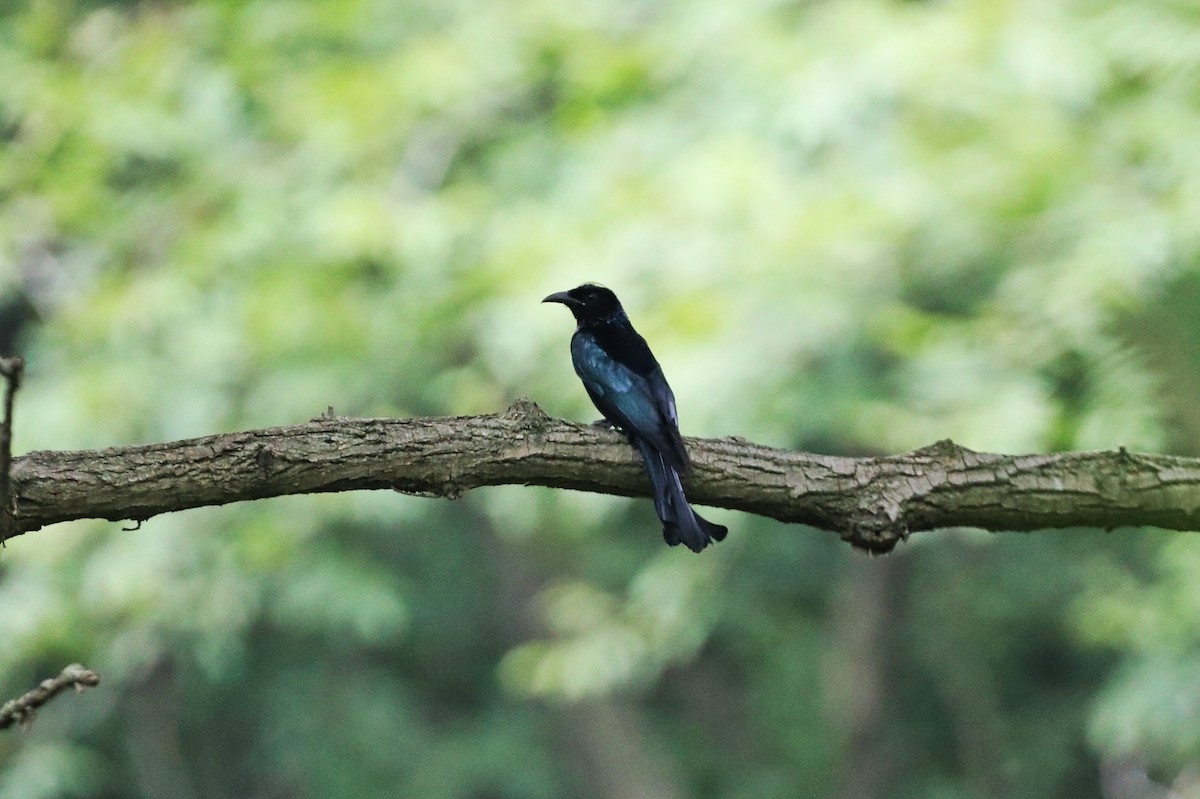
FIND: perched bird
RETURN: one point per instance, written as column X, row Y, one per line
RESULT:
column 627, row 385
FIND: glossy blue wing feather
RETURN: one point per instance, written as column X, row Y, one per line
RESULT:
column 624, row 393
column 641, row 404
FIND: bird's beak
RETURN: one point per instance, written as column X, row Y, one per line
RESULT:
column 563, row 297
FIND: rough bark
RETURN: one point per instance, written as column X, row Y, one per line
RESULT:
column 871, row 502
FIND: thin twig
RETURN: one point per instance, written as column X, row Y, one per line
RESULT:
column 11, row 370
column 22, row 709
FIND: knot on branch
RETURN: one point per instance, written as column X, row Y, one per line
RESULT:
column 526, row 413
column 876, row 529
column 940, row 450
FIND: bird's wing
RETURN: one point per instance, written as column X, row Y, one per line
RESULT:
column 664, row 398
column 641, row 405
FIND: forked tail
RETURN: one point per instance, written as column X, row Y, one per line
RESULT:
column 681, row 524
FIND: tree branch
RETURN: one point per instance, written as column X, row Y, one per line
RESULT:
column 21, row 710
column 11, row 370
column 871, row 502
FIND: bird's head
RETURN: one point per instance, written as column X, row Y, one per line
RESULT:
column 589, row 303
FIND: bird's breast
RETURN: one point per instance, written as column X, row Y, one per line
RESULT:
column 597, row 368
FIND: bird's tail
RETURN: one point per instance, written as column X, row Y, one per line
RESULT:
column 681, row 524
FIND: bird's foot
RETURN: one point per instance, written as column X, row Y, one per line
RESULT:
column 604, row 424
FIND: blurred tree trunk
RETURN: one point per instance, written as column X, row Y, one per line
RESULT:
column 619, row 756
column 606, row 741
column 157, row 755
column 868, row 609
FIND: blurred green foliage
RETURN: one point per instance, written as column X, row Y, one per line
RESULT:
column 845, row 226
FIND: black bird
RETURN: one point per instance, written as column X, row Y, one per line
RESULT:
column 627, row 385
